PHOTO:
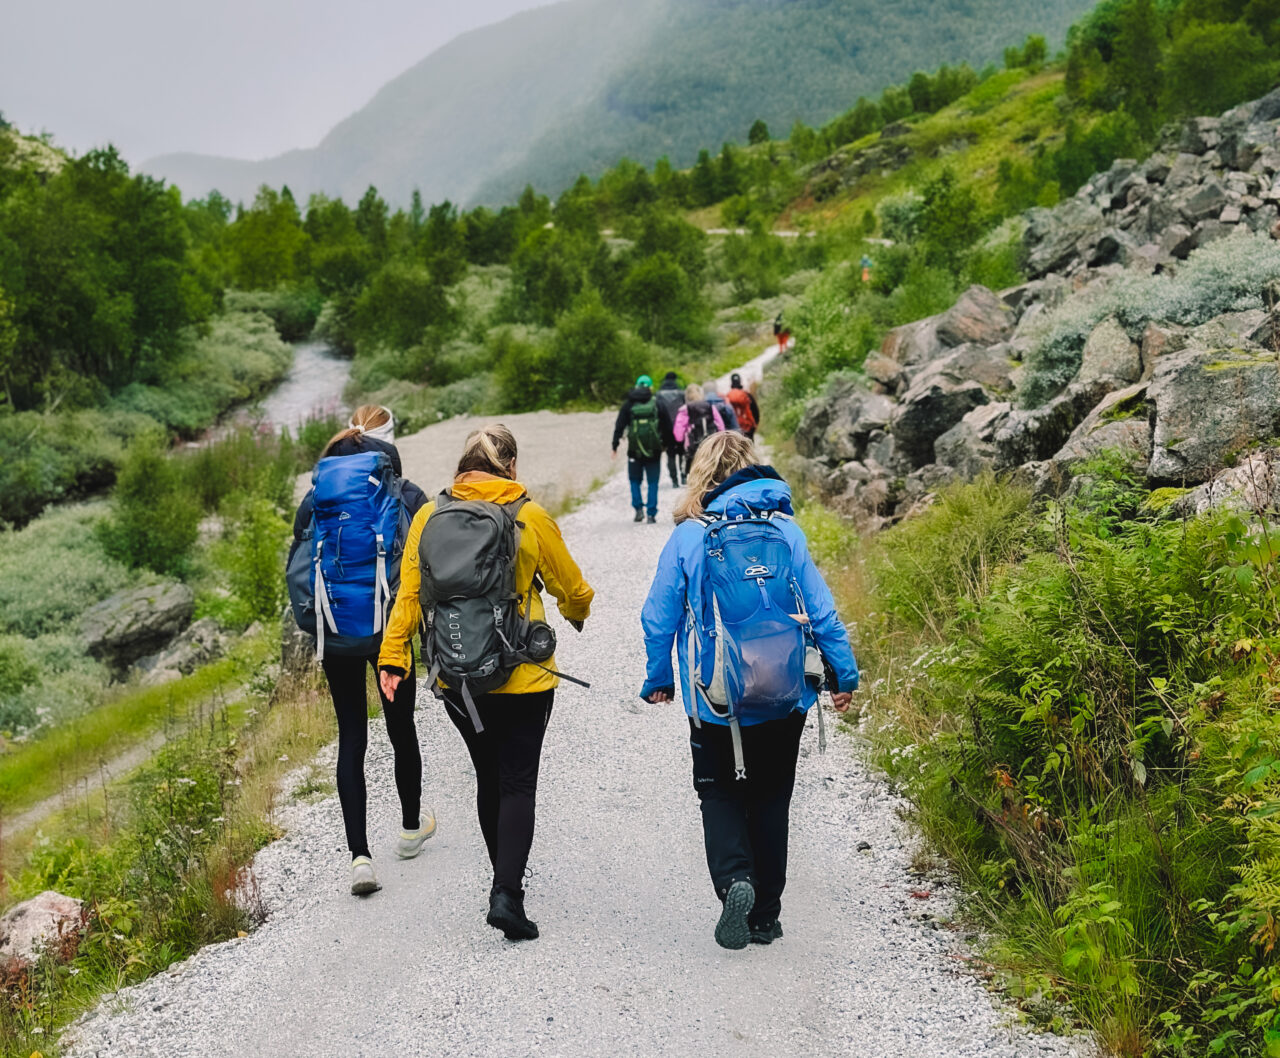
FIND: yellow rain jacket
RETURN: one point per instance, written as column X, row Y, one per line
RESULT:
column 542, row 551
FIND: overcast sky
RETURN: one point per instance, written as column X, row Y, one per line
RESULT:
column 243, row 78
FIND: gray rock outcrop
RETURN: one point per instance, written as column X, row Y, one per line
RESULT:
column 45, row 923
column 202, row 642
column 134, row 623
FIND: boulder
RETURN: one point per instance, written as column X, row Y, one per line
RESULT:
column 134, row 623
column 50, row 922
column 1035, row 435
column 913, row 343
column 297, row 648
column 969, row 446
column 1206, row 201
column 1120, row 423
column 990, row 365
column 835, row 427
column 928, row 410
column 1200, row 135
column 1252, row 485
column 1210, row 403
column 1177, row 241
column 978, row 317
column 1052, row 236
column 1110, row 353
column 1185, row 171
column 1157, row 340
column 1208, row 231
column 884, row 372
column 202, row 642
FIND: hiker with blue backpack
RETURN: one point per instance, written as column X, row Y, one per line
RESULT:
column 475, row 564
column 343, row 572
column 640, row 418
column 757, row 637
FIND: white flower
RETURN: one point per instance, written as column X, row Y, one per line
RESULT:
column 118, row 936
column 73, row 971
column 283, row 757
column 37, row 1031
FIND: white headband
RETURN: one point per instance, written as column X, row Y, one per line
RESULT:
column 385, row 432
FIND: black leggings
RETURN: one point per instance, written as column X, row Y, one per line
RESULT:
column 346, row 676
column 506, row 755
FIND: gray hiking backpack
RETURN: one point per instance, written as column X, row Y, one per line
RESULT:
column 476, row 626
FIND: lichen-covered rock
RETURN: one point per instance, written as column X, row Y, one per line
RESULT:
column 1119, row 423
column 1033, row 435
column 1209, row 405
column 45, row 923
column 1252, row 485
column 134, row 623
column 1110, row 353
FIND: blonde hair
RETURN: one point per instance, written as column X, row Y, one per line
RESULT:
column 719, row 456
column 489, row 450
column 693, row 392
column 365, row 417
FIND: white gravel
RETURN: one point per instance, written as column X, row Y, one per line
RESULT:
column 626, row 964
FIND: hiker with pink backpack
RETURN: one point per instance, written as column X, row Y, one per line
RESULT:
column 758, row 637
column 695, row 421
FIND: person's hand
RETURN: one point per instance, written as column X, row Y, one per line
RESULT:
column 576, row 624
column 658, row 697
column 389, row 682
column 615, row 454
column 841, row 700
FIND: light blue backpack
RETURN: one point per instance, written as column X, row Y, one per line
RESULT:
column 751, row 649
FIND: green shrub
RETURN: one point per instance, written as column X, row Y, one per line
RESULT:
column 249, row 461
column 153, row 523
column 250, row 558
column 293, row 308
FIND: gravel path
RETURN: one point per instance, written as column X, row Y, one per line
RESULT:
column 626, row 964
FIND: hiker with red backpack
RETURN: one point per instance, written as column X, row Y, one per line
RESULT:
column 475, row 564
column 695, row 422
column 640, row 418
column 757, row 636
column 744, row 406
column 343, row 572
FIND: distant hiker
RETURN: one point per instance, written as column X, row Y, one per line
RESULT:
column 744, row 406
column 695, row 422
column 711, row 390
column 755, row 629
column 476, row 561
column 343, row 573
column 670, row 401
column 866, row 268
column 640, row 419
column 780, row 334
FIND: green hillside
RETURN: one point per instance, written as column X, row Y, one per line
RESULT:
column 575, row 86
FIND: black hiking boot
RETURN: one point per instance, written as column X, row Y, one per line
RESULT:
column 639, row 514
column 766, row 932
column 653, row 519
column 506, row 913
column 732, row 931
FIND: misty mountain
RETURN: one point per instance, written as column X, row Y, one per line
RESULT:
column 574, row 86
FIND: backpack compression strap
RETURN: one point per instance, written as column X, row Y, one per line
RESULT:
column 324, row 612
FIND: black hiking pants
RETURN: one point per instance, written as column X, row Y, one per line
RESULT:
column 675, row 463
column 346, row 676
column 506, row 755
column 745, row 821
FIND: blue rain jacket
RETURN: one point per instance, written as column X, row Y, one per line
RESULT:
column 680, row 574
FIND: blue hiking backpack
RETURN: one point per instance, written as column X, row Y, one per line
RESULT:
column 751, row 649
column 344, row 575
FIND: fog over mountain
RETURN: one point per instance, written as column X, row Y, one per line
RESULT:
column 574, row 86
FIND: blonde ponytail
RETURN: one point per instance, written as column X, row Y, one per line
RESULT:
column 367, row 417
column 489, row 450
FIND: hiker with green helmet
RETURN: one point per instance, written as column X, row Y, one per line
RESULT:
column 638, row 418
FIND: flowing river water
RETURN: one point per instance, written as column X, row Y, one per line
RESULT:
column 313, row 387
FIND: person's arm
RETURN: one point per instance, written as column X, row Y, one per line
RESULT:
column 414, row 498
column 715, row 414
column 755, row 408
column 661, row 618
column 828, row 630
column 301, row 521
column 560, row 573
column 681, row 426
column 395, row 659
column 730, row 416
column 620, row 425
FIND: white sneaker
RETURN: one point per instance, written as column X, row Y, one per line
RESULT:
column 410, row 842
column 363, row 880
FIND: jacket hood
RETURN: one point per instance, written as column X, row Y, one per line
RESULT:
column 670, row 382
column 760, row 488
column 353, row 446
column 640, row 395
column 476, row 485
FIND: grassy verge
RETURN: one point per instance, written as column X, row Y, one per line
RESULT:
column 162, row 859
column 1079, row 701
column 39, row 769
